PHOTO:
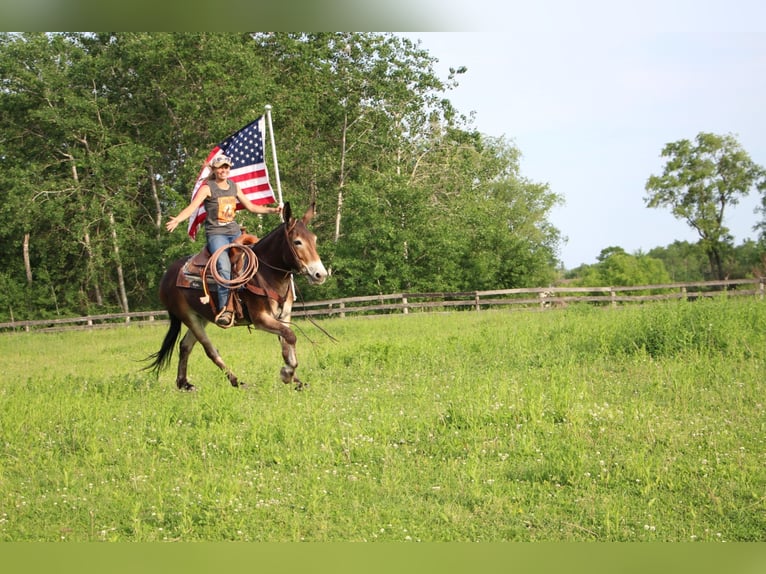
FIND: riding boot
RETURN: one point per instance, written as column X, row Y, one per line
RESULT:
column 225, row 317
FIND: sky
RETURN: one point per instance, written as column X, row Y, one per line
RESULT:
column 590, row 91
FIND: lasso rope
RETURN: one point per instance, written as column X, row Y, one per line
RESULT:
column 247, row 272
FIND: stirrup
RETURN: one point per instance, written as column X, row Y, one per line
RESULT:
column 225, row 319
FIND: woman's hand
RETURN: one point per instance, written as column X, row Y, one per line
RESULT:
column 171, row 224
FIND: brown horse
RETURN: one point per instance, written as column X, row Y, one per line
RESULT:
column 266, row 300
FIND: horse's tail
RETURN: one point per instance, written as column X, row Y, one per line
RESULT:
column 161, row 359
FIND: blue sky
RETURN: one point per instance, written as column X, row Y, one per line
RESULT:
column 591, row 91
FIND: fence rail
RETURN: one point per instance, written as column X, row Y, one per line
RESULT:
column 531, row 298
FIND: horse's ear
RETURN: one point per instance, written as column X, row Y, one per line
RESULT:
column 309, row 215
column 286, row 212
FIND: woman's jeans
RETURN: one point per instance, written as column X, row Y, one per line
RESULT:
column 215, row 242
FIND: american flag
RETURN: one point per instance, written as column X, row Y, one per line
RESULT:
column 245, row 148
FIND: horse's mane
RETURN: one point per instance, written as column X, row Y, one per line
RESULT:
column 266, row 239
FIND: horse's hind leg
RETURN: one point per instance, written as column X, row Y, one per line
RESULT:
column 200, row 335
column 196, row 333
column 184, row 350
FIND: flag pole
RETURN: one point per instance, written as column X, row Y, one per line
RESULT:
column 276, row 175
column 274, row 156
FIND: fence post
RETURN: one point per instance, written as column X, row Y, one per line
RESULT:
column 476, row 301
column 342, row 305
column 613, row 296
column 683, row 292
column 762, row 283
column 405, row 309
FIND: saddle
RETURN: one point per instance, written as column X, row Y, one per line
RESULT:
column 192, row 274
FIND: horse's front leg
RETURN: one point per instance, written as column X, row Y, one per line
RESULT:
column 287, row 373
column 266, row 321
column 287, row 340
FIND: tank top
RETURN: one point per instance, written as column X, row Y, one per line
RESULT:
column 220, row 209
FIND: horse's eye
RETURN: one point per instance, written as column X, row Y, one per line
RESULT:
column 297, row 242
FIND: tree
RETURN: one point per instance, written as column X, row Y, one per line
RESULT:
column 615, row 267
column 104, row 133
column 351, row 105
column 179, row 94
column 700, row 181
column 686, row 262
column 761, row 226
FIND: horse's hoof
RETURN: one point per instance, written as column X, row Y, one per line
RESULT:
column 300, row 385
column 186, row 387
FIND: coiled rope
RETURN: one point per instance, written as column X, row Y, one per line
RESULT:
column 248, row 271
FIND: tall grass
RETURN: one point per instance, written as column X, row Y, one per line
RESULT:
column 627, row 424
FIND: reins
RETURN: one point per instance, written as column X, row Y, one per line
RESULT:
column 312, row 321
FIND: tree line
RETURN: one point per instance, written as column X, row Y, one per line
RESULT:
column 701, row 180
column 103, row 135
column 679, row 262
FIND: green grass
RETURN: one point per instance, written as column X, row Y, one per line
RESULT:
column 631, row 424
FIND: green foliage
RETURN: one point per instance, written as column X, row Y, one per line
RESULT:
column 688, row 262
column 685, row 262
column 700, row 181
column 617, row 268
column 679, row 262
column 394, row 230
column 642, row 423
column 106, row 132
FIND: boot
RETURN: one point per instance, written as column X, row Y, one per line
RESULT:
column 225, row 318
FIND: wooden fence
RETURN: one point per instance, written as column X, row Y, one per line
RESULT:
column 538, row 298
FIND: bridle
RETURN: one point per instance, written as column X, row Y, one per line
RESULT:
column 296, row 267
column 296, row 259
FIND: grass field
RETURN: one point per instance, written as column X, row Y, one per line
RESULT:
column 631, row 424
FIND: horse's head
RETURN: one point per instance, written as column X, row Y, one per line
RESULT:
column 303, row 244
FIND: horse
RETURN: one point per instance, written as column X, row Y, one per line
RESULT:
column 265, row 301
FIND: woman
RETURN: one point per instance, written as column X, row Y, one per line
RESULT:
column 219, row 195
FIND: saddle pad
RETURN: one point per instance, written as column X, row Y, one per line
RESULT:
column 189, row 277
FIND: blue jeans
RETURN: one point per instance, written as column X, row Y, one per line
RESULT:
column 215, row 242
